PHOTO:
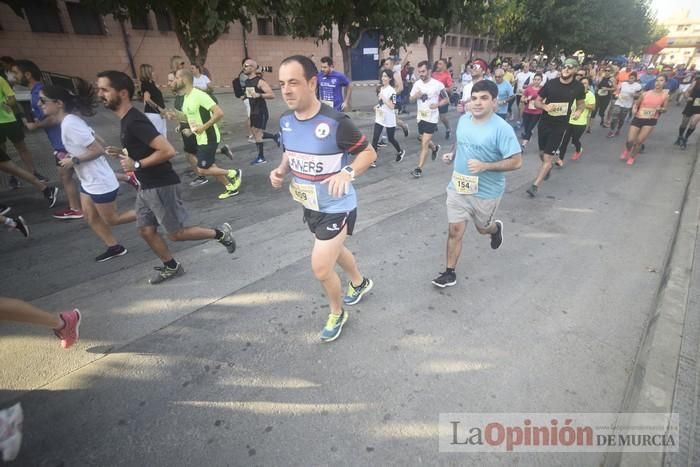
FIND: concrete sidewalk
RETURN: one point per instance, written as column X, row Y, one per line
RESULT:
column 223, row 366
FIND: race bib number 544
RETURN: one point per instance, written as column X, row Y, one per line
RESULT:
column 305, row 194
column 465, row 184
column 559, row 109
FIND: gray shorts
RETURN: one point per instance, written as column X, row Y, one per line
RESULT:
column 461, row 208
column 161, row 206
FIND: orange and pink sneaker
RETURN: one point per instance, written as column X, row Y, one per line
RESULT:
column 70, row 332
column 625, row 155
column 630, row 161
column 576, row 155
column 68, row 213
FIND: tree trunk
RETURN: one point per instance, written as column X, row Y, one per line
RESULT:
column 429, row 42
column 345, row 50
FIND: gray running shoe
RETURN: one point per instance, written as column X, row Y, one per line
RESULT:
column 165, row 273
column 227, row 240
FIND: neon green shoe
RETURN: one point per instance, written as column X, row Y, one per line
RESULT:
column 354, row 295
column 236, row 177
column 230, row 191
column 333, row 326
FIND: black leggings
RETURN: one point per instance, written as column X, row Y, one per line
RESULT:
column 601, row 104
column 389, row 134
column 573, row 135
column 529, row 123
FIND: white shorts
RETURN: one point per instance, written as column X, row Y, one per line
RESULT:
column 159, row 122
column 461, row 208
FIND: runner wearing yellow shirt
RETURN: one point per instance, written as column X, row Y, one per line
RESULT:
column 578, row 125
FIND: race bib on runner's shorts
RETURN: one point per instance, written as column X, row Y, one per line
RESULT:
column 465, row 184
column 559, row 109
column 305, row 194
column 647, row 112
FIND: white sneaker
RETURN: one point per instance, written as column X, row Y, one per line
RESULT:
column 11, row 432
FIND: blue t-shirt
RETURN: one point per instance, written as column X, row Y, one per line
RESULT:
column 317, row 149
column 53, row 132
column 330, row 88
column 505, row 90
column 491, row 141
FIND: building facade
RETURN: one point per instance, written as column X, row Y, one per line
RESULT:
column 684, row 31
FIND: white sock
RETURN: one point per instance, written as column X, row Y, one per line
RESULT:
column 10, row 222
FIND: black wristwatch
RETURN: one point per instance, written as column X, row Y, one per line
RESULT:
column 137, row 165
column 75, row 160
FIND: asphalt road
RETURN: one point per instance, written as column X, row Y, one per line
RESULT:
column 223, row 365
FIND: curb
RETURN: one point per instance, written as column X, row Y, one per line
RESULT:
column 651, row 386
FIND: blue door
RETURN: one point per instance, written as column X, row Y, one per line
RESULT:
column 364, row 65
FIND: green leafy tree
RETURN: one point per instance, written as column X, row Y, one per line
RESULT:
column 197, row 23
column 316, row 18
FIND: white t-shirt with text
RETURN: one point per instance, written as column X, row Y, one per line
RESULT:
column 627, row 92
column 431, row 95
column 384, row 115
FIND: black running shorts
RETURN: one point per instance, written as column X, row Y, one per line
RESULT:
column 550, row 137
column 327, row 226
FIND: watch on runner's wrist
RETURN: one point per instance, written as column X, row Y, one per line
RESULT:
column 350, row 171
column 137, row 165
column 75, row 160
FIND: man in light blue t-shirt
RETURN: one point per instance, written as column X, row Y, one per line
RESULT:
column 486, row 148
column 505, row 93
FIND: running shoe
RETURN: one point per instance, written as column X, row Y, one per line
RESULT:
column 445, row 279
column 112, row 252
column 532, row 191
column 199, row 181
column 251, row 139
column 70, row 332
column 258, row 160
column 624, row 155
column 400, row 155
column 14, row 183
column 611, row 134
column 51, row 195
column 21, row 225
column 133, row 181
column 559, row 162
column 354, row 295
column 382, row 144
column 229, row 193
column 417, row 172
column 684, row 143
column 497, row 238
column 630, row 161
column 68, row 213
column 577, row 155
column 334, row 325
column 11, row 420
column 226, row 151
column 434, row 154
column 4, row 209
column 227, row 240
column 236, row 178
column 165, row 273
column 373, row 164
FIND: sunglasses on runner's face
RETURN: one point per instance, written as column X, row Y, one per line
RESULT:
column 44, row 100
column 569, row 67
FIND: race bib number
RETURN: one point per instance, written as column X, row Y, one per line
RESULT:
column 250, row 92
column 531, row 105
column 559, row 109
column 305, row 194
column 647, row 112
column 696, row 102
column 379, row 114
column 465, row 184
column 328, row 103
column 424, row 114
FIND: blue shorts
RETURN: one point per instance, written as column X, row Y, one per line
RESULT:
column 104, row 198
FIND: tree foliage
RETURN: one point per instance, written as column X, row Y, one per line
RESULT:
column 197, row 23
column 599, row 27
